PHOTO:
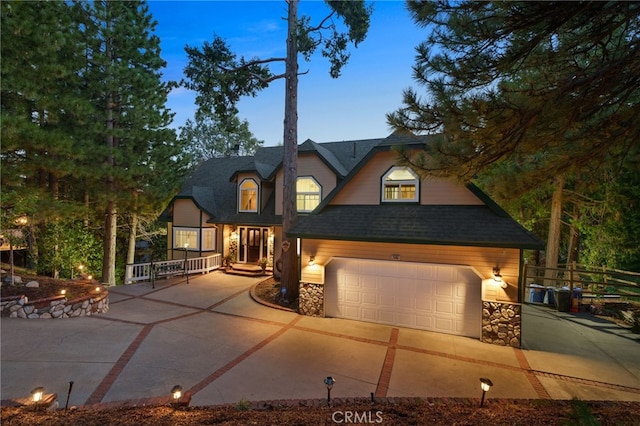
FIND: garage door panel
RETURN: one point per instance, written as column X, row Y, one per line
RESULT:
column 442, row 298
column 444, row 307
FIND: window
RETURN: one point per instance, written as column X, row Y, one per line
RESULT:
column 190, row 236
column 209, row 239
column 400, row 184
column 182, row 236
column 248, row 196
column 308, row 194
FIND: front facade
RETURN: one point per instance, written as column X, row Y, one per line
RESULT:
column 375, row 242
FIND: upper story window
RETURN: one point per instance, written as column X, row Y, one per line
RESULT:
column 308, row 194
column 400, row 184
column 248, row 196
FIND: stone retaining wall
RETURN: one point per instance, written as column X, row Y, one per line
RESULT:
column 311, row 301
column 54, row 307
column 501, row 322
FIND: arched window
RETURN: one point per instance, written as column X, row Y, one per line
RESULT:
column 308, row 194
column 248, row 196
column 400, row 184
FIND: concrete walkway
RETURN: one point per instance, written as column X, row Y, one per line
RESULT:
column 210, row 337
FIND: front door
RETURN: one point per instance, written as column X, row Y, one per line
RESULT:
column 250, row 245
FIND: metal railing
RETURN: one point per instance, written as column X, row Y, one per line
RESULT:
column 147, row 271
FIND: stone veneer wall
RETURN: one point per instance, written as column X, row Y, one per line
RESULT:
column 501, row 323
column 311, row 301
column 54, row 307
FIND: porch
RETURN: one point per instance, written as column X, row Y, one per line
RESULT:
column 149, row 271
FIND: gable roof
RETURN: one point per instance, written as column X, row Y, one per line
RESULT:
column 462, row 225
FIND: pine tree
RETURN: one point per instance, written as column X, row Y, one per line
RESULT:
column 551, row 88
column 221, row 79
column 130, row 131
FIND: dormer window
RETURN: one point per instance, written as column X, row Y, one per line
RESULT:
column 308, row 194
column 248, row 196
column 400, row 184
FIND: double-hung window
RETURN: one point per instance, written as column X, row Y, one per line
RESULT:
column 190, row 238
column 308, row 194
column 400, row 184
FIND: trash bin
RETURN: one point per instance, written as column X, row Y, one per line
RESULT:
column 576, row 300
column 550, row 298
column 536, row 295
column 563, row 299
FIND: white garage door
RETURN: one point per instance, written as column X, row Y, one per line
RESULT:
column 442, row 298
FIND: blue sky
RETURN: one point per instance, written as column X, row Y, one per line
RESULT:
column 348, row 108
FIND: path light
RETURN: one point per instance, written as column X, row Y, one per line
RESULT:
column 176, row 393
column 485, row 384
column 329, row 381
column 63, row 292
column 37, row 394
column 186, row 265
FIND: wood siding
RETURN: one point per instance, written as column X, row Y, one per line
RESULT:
column 482, row 259
column 308, row 165
column 365, row 187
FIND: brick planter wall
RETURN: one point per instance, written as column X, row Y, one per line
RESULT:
column 501, row 322
column 54, row 307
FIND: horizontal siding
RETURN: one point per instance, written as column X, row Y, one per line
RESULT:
column 365, row 187
column 308, row 165
column 482, row 259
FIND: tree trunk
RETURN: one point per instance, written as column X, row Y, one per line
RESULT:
column 574, row 238
column 111, row 216
column 289, row 214
column 131, row 247
column 555, row 224
column 109, row 259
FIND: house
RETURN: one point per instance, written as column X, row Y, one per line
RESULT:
column 375, row 242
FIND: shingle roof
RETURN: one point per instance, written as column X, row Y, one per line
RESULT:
column 469, row 225
column 214, row 190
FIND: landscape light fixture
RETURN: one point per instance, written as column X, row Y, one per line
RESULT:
column 176, row 393
column 485, row 384
column 37, row 394
column 329, row 381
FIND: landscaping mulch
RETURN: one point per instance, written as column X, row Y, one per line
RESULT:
column 409, row 412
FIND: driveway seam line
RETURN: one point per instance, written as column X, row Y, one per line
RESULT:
column 237, row 360
column 113, row 374
column 387, row 366
column 530, row 375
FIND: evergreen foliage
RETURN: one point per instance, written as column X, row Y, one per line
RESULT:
column 84, row 123
column 532, row 95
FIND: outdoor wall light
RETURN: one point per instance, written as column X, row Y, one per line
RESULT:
column 329, row 381
column 496, row 274
column 485, row 384
column 176, row 393
column 37, row 394
column 312, row 260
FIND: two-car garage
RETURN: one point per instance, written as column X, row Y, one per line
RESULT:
column 427, row 296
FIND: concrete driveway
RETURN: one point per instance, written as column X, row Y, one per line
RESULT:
column 210, row 337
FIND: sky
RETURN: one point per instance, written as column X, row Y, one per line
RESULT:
column 351, row 107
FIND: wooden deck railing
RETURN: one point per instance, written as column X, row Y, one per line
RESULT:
column 603, row 283
column 148, row 271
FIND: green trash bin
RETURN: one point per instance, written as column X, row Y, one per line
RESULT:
column 563, row 299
